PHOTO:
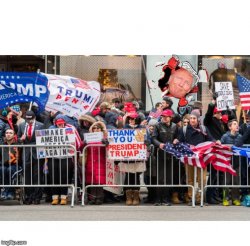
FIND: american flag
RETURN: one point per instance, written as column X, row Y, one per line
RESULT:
column 203, row 154
column 244, row 89
column 242, row 152
column 79, row 143
column 155, row 114
column 179, row 150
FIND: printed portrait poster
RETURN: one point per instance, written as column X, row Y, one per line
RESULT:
column 127, row 144
column 225, row 95
column 57, row 136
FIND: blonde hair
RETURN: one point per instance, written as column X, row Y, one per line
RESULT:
column 186, row 116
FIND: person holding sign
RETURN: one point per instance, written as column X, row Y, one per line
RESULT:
column 95, row 169
column 33, row 168
column 133, row 168
column 60, row 170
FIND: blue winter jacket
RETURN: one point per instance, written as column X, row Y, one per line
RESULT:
column 236, row 139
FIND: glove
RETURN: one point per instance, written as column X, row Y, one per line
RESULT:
column 105, row 141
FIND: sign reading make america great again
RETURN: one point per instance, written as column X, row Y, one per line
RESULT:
column 127, row 144
column 56, row 136
column 72, row 96
column 23, row 88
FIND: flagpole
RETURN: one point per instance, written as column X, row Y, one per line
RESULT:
column 149, row 90
column 30, row 106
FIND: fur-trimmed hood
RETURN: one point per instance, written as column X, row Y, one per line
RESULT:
column 99, row 123
column 88, row 118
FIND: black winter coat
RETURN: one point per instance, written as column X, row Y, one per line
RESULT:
column 194, row 136
column 163, row 133
column 214, row 125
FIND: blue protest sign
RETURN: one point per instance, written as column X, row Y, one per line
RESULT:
column 23, row 88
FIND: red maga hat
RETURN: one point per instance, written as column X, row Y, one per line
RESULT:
column 60, row 121
column 167, row 112
column 133, row 115
column 216, row 110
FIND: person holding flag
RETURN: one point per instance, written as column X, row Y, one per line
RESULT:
column 165, row 131
column 194, row 134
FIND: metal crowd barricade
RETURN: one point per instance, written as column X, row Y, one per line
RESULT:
column 219, row 180
column 30, row 172
column 153, row 164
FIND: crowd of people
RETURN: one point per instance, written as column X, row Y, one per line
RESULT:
column 18, row 125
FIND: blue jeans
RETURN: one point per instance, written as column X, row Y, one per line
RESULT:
column 9, row 171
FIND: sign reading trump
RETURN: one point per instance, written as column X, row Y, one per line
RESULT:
column 72, row 96
column 127, row 144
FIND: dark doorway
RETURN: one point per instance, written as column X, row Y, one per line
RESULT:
column 22, row 63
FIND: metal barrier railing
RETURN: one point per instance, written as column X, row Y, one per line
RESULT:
column 95, row 171
column 20, row 167
column 222, row 180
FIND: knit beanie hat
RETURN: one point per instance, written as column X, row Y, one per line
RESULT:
column 152, row 122
column 196, row 113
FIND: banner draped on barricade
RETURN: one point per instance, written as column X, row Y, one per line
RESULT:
column 69, row 95
column 203, row 154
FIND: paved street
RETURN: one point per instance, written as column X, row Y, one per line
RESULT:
column 120, row 212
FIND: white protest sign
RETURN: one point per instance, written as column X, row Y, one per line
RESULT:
column 56, row 136
column 225, row 95
column 72, row 96
column 114, row 177
column 127, row 144
column 93, row 137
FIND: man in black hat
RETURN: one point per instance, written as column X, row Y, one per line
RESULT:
column 32, row 166
column 167, row 103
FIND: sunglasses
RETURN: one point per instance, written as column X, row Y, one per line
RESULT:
column 186, row 122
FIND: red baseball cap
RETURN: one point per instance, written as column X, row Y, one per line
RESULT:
column 167, row 112
column 133, row 115
column 60, row 121
column 216, row 110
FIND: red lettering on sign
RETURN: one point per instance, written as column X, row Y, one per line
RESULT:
column 58, row 96
column 75, row 100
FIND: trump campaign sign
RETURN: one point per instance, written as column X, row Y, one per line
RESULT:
column 69, row 95
column 72, row 96
column 23, row 88
column 55, row 136
column 127, row 144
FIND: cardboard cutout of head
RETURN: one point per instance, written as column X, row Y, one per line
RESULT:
column 179, row 78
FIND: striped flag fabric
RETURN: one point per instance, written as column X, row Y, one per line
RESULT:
column 204, row 154
column 244, row 91
column 79, row 142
